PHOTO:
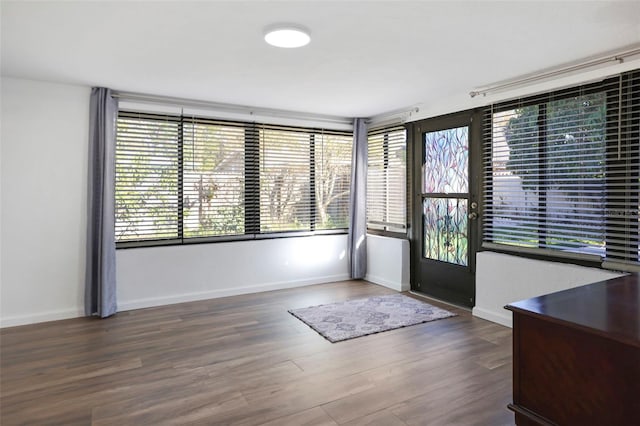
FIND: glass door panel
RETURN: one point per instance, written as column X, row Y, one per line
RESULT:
column 446, row 161
column 445, row 230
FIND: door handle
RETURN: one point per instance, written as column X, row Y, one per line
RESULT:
column 473, row 215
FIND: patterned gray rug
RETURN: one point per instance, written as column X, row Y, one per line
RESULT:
column 360, row 317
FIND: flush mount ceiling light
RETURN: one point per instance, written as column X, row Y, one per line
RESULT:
column 287, row 36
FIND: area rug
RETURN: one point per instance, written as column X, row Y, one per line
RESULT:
column 359, row 317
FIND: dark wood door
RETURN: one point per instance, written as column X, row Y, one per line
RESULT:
column 446, row 174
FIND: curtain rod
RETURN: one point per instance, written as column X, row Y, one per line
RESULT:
column 618, row 57
column 398, row 116
column 231, row 108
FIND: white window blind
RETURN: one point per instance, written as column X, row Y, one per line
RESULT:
column 386, row 179
column 562, row 172
column 213, row 178
column 332, row 173
column 185, row 179
column 285, row 180
column 147, row 152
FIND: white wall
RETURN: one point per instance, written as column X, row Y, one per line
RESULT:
column 388, row 262
column 44, row 173
column 162, row 275
column 44, row 168
column 502, row 279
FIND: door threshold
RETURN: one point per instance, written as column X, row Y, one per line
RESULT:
column 424, row 296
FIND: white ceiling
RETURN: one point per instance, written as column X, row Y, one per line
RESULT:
column 365, row 57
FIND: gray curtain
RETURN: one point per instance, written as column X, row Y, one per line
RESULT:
column 100, row 280
column 358, row 202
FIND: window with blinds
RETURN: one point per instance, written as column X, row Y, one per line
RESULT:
column 304, row 179
column 213, row 178
column 183, row 179
column 331, row 178
column 562, row 173
column 386, row 179
column 285, row 180
column 147, row 163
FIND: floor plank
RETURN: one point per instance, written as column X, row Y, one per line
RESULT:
column 245, row 360
column 311, row 417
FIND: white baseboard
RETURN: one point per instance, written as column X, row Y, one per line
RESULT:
column 169, row 300
column 224, row 292
column 502, row 318
column 386, row 283
column 41, row 317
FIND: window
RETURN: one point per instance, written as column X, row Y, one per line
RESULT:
column 386, row 180
column 331, row 187
column 212, row 179
column 562, row 173
column 185, row 179
column 147, row 205
column 304, row 179
column 285, row 180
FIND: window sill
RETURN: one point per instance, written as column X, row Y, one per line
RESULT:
column 227, row 239
column 390, row 234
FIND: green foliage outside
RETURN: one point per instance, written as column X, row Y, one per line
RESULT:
column 575, row 126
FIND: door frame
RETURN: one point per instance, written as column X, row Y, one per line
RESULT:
column 474, row 118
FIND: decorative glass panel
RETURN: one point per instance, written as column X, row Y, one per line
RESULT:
column 445, row 229
column 446, row 161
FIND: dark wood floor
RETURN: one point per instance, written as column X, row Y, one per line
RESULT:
column 245, row 360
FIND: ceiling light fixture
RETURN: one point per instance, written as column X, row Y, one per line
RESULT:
column 287, row 36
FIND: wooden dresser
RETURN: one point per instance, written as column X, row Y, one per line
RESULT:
column 576, row 356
